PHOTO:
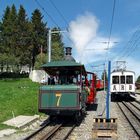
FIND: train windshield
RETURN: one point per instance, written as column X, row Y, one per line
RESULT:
column 67, row 77
column 129, row 79
column 122, row 79
column 115, row 79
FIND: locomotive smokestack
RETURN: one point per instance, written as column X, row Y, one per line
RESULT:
column 68, row 53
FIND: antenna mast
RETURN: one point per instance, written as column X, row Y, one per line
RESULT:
column 121, row 65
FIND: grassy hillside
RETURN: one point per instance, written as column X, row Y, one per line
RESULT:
column 18, row 97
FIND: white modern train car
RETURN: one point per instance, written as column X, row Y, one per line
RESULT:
column 122, row 83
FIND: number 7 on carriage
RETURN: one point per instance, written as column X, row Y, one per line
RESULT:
column 58, row 97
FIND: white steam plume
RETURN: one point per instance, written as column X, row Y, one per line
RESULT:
column 83, row 30
column 89, row 47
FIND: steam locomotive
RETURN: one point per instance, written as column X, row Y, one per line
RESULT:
column 72, row 90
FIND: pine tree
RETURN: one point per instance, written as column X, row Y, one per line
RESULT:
column 24, row 38
column 39, row 37
column 13, row 28
column 57, row 46
column 104, row 73
column 8, row 37
column 3, row 41
column 40, row 60
column 138, row 79
column 22, row 41
column 5, row 30
column 13, row 60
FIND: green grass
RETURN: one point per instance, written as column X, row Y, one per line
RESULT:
column 17, row 97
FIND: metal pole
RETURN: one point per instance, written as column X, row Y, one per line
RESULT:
column 104, row 78
column 49, row 42
column 49, row 46
column 108, row 92
column 41, row 53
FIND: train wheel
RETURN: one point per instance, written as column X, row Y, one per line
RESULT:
column 78, row 117
column 52, row 118
column 83, row 112
column 113, row 97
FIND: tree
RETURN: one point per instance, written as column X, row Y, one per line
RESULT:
column 13, row 30
column 8, row 37
column 40, row 60
column 5, row 30
column 24, row 41
column 2, row 36
column 15, row 36
column 39, row 36
column 57, row 46
column 24, row 38
column 138, row 79
column 104, row 74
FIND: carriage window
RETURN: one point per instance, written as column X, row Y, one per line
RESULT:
column 115, row 79
column 129, row 79
column 122, row 79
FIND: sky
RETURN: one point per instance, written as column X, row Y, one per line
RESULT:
column 88, row 23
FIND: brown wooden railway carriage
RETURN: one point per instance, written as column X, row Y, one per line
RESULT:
column 68, row 95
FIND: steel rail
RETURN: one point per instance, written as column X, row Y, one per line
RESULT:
column 137, row 101
column 130, row 120
column 138, row 108
column 48, row 135
column 37, row 131
column 65, row 138
column 137, row 116
column 137, row 93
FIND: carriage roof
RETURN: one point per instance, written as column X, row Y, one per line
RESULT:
column 53, row 66
column 122, row 71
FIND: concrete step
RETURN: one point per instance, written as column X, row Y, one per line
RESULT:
column 21, row 121
column 6, row 132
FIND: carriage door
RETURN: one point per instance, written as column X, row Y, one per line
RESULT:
column 115, row 84
column 129, row 83
column 122, row 83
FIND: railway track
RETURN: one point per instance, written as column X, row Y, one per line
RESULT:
column 53, row 131
column 131, row 111
column 45, row 124
column 138, row 102
column 63, row 133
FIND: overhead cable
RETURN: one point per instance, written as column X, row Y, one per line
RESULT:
column 50, row 16
column 111, row 25
column 110, row 32
column 132, row 45
column 46, row 13
column 62, row 16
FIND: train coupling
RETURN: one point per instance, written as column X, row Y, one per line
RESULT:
column 104, row 129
